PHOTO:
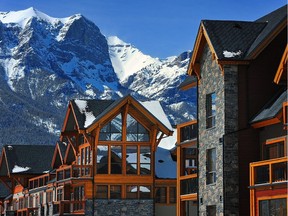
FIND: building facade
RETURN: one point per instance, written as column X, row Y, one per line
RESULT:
column 233, row 68
column 104, row 164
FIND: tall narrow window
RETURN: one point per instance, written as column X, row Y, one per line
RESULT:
column 102, row 159
column 116, row 159
column 211, row 166
column 131, row 160
column 210, row 110
column 145, row 160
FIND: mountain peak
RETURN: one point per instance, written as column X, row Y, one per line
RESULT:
column 21, row 17
column 114, row 40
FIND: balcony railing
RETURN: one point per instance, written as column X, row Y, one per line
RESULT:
column 74, row 171
column 268, row 171
column 189, row 184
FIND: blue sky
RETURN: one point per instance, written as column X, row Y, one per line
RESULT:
column 159, row 28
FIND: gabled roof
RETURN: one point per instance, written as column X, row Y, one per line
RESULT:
column 86, row 110
column 27, row 159
column 59, row 154
column 275, row 21
column 189, row 82
column 88, row 113
column 270, row 110
column 232, row 39
column 236, row 41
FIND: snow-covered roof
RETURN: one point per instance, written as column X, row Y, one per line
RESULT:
column 165, row 167
column 155, row 108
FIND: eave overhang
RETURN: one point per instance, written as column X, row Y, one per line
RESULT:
column 282, row 68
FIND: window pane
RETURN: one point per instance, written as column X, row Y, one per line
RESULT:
column 132, row 192
column 145, row 160
column 274, row 150
column 145, row 192
column 210, row 110
column 115, row 191
column 161, row 194
column 102, row 159
column 211, row 210
column 273, row 207
column 211, row 165
column 136, row 131
column 131, row 159
column 112, row 131
column 116, row 159
column 172, row 194
column 102, row 191
column 131, row 125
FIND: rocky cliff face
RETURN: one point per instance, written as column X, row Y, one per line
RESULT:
column 45, row 62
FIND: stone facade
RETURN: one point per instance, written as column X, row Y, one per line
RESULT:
column 225, row 87
column 120, row 207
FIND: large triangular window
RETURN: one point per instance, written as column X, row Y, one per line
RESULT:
column 135, row 131
column 113, row 130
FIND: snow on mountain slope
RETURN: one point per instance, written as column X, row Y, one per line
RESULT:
column 127, row 59
column 21, row 17
column 46, row 61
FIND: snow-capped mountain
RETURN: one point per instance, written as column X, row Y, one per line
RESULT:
column 46, row 61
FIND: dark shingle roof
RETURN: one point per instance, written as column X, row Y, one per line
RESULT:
column 232, row 36
column 35, row 158
column 271, row 109
column 235, row 36
column 272, row 20
column 94, row 106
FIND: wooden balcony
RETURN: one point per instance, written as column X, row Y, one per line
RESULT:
column 74, row 171
column 188, row 186
column 268, row 172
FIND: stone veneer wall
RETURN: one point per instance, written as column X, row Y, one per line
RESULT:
column 230, row 142
column 120, row 207
column 225, row 87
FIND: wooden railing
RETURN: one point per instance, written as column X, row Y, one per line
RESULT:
column 268, row 171
column 74, row 171
column 188, row 184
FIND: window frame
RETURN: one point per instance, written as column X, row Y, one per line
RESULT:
column 123, row 159
column 273, row 142
column 211, row 166
column 269, row 199
column 210, row 110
